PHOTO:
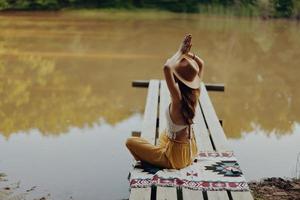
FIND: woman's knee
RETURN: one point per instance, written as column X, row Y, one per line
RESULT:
column 130, row 142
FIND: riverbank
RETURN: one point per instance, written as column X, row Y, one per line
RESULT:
column 126, row 14
column 275, row 188
column 15, row 191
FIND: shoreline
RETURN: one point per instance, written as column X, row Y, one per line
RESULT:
column 275, row 188
column 143, row 12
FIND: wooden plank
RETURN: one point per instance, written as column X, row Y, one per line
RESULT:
column 201, row 132
column 202, row 137
column 216, row 130
column 136, row 133
column 218, row 87
column 150, row 114
column 218, row 136
column 148, row 132
column 217, row 195
column 163, row 104
column 140, row 83
column 192, row 194
column 241, row 195
column 166, row 193
column 140, row 194
column 204, row 144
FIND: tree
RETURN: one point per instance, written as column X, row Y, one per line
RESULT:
column 283, row 8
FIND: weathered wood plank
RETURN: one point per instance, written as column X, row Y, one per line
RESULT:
column 150, row 114
column 202, row 137
column 218, row 135
column 140, row 83
column 165, row 100
column 148, row 132
column 218, row 87
column 192, row 194
column 217, row 195
column 203, row 143
column 216, row 130
column 140, row 194
column 201, row 132
column 136, row 133
column 166, row 193
column 241, row 196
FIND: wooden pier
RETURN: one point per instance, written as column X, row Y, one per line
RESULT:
column 209, row 134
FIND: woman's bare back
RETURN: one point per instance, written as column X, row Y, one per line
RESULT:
column 177, row 118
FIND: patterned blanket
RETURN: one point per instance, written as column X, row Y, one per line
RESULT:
column 210, row 171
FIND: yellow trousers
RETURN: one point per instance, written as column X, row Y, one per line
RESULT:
column 169, row 153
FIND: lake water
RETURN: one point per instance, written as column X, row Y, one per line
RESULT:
column 67, row 105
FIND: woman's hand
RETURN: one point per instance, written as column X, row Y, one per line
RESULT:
column 173, row 61
column 191, row 55
column 184, row 48
column 186, row 44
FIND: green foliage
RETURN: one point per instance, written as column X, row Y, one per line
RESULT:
column 102, row 3
column 46, row 4
column 283, row 8
column 179, row 5
column 296, row 10
column 29, row 4
column 172, row 5
column 263, row 8
column 3, row 4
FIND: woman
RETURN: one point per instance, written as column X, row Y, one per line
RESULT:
column 177, row 145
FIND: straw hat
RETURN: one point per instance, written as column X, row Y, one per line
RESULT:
column 188, row 74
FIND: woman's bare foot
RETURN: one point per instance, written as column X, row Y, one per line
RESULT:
column 186, row 44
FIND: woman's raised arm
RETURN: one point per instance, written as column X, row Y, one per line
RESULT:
column 168, row 72
column 184, row 48
column 199, row 61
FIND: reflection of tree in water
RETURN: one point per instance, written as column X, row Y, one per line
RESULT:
column 259, row 67
column 256, row 60
column 35, row 93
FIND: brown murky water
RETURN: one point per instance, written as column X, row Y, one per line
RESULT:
column 67, row 106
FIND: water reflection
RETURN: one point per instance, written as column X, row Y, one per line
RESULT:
column 41, row 93
column 87, row 163
column 69, row 75
column 58, row 74
column 277, row 154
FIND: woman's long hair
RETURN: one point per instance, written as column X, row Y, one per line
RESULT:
column 189, row 101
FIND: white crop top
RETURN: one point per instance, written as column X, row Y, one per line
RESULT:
column 173, row 128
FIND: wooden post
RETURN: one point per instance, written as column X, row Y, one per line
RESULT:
column 217, row 87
